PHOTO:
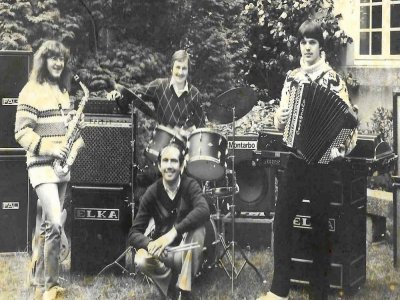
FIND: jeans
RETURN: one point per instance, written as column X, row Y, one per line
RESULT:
column 47, row 238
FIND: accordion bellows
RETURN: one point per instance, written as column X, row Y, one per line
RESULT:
column 319, row 120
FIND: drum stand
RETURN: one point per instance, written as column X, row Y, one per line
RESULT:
column 234, row 272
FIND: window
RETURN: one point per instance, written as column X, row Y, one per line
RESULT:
column 379, row 30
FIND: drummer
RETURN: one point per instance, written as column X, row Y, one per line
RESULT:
column 176, row 102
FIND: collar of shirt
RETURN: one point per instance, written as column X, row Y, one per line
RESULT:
column 179, row 92
column 172, row 193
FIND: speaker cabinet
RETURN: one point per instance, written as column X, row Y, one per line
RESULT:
column 347, row 225
column 16, row 210
column 256, row 184
column 106, row 158
column 14, row 72
column 252, row 229
column 101, row 221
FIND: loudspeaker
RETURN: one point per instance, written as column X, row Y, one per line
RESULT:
column 256, row 184
column 14, row 72
column 17, row 208
column 107, row 155
column 347, row 225
column 252, row 229
column 100, row 224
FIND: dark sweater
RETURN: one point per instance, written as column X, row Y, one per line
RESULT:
column 170, row 110
column 188, row 211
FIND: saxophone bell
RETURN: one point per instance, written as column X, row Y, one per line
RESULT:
column 61, row 168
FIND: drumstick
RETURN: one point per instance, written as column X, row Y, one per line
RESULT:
column 182, row 247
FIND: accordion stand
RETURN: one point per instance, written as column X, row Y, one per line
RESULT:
column 233, row 245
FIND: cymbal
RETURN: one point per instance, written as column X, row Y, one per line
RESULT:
column 242, row 99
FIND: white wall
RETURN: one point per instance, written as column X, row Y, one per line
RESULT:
column 377, row 81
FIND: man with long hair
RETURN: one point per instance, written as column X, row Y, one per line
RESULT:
column 43, row 111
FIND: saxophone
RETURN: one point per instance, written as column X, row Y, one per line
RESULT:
column 62, row 166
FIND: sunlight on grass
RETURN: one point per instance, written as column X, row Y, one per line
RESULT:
column 383, row 281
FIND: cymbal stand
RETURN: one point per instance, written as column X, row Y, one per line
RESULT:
column 233, row 245
column 116, row 262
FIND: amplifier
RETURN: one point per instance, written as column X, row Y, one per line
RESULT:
column 14, row 72
column 347, row 225
column 99, row 106
column 17, row 204
column 256, row 183
column 244, row 147
column 107, row 155
column 101, row 218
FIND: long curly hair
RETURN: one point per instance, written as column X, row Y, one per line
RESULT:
column 40, row 73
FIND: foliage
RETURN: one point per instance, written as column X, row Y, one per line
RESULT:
column 25, row 24
column 381, row 123
column 273, row 38
column 215, row 37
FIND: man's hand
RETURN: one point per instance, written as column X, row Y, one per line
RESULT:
column 157, row 247
column 282, row 115
column 338, row 152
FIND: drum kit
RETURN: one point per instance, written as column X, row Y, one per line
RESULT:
column 207, row 159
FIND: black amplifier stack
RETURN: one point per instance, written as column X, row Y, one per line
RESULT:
column 17, row 200
column 347, row 212
column 101, row 181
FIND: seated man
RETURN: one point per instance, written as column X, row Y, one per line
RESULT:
column 179, row 210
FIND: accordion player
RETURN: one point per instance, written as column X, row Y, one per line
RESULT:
column 319, row 121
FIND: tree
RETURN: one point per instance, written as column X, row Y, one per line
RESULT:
column 274, row 48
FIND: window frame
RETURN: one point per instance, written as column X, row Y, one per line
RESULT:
column 385, row 59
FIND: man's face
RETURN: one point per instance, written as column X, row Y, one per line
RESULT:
column 169, row 165
column 310, row 50
column 180, row 71
column 55, row 66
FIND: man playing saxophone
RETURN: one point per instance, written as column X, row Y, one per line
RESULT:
column 43, row 112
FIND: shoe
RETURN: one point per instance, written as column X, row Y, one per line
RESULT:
column 272, row 296
column 38, row 293
column 55, row 293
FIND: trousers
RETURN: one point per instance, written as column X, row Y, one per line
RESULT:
column 315, row 183
column 185, row 263
column 46, row 248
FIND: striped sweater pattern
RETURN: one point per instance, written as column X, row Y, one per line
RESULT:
column 40, row 121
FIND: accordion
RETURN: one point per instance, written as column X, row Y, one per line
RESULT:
column 319, row 120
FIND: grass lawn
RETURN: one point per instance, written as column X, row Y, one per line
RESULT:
column 383, row 281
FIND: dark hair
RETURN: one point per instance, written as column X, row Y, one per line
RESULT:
column 312, row 30
column 180, row 55
column 40, row 73
column 174, row 145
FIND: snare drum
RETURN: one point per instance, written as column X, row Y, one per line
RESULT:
column 162, row 136
column 207, row 153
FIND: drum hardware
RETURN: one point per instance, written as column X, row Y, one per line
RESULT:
column 224, row 111
column 116, row 263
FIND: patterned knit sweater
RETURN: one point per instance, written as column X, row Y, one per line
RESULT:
column 39, row 122
column 323, row 74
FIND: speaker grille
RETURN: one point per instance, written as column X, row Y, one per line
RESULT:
column 106, row 158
